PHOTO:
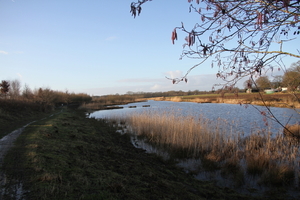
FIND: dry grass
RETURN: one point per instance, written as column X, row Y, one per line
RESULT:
column 287, row 100
column 183, row 132
column 176, row 99
column 261, row 153
column 292, row 130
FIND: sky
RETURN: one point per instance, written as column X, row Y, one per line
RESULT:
column 97, row 47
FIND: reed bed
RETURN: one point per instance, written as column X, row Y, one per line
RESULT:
column 271, row 156
column 178, row 132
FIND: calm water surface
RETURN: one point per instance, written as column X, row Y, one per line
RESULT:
column 244, row 118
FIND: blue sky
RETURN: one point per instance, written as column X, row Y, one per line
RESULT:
column 97, row 47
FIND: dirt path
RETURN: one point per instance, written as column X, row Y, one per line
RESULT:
column 5, row 144
column 7, row 141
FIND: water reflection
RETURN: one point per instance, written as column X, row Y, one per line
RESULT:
column 243, row 118
column 247, row 119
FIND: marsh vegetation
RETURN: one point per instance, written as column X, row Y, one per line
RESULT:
column 285, row 100
column 261, row 159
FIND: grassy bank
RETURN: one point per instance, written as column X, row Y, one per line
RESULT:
column 68, row 156
column 103, row 106
column 110, row 102
column 15, row 114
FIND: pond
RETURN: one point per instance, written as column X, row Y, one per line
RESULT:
column 244, row 118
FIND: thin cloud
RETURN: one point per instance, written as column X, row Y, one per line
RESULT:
column 158, row 87
column 111, row 38
column 139, row 80
column 204, row 82
column 174, row 74
column 3, row 52
column 20, row 75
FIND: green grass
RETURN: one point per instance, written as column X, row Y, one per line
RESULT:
column 15, row 114
column 69, row 156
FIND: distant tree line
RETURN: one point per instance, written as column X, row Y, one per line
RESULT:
column 290, row 80
column 169, row 93
column 44, row 97
column 133, row 96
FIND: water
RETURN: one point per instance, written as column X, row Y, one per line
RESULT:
column 244, row 118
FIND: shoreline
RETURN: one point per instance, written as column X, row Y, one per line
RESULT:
column 253, row 100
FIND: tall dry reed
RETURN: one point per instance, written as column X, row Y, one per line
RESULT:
column 185, row 132
column 262, row 153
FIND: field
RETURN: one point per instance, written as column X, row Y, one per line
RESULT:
column 276, row 99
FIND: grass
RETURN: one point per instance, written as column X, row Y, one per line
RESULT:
column 15, row 114
column 279, row 175
column 109, row 102
column 275, row 100
column 262, row 153
column 233, row 165
column 292, row 130
column 69, row 156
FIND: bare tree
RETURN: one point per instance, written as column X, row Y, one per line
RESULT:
column 277, row 81
column 248, row 84
column 15, row 89
column 244, row 38
column 45, row 97
column 27, row 93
